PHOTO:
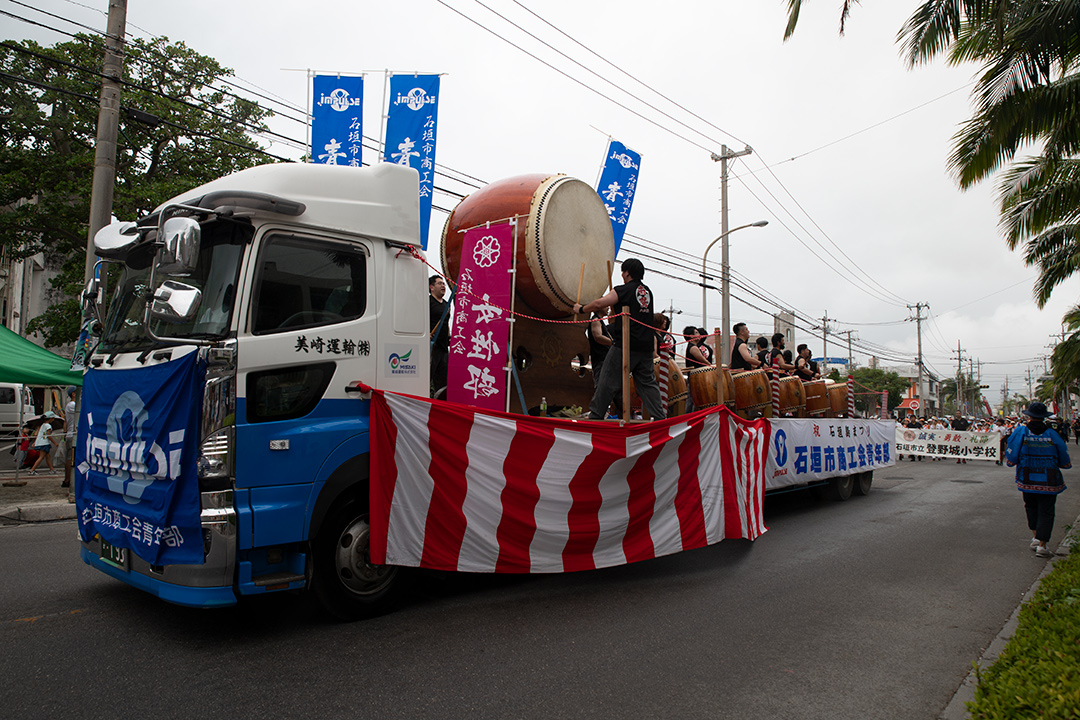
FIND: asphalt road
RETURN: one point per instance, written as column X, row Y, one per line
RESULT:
column 871, row 608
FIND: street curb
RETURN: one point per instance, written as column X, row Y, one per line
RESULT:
column 957, row 707
column 37, row 512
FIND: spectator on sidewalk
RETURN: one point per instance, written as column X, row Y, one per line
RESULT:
column 44, row 442
column 1039, row 455
column 70, row 417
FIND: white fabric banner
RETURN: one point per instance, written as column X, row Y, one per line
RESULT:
column 802, row 451
column 947, row 444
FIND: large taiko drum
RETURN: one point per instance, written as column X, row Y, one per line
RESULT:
column 753, row 398
column 676, row 388
column 837, row 400
column 702, row 382
column 562, row 223
column 792, row 402
column 817, row 398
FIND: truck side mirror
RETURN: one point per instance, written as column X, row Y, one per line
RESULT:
column 115, row 240
column 175, row 302
column 180, row 249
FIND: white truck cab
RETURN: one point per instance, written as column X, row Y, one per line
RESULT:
column 284, row 285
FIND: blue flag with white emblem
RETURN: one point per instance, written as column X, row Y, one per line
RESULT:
column 618, row 183
column 410, row 134
column 136, row 483
column 337, row 120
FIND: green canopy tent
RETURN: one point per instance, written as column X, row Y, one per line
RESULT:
column 21, row 361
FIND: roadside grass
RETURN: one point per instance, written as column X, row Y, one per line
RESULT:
column 1037, row 675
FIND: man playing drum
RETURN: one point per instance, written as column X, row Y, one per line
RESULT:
column 638, row 299
column 741, row 357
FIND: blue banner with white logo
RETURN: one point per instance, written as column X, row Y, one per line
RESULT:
column 336, row 120
column 618, row 183
column 136, row 483
column 410, row 134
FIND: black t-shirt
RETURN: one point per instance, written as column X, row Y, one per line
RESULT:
column 738, row 362
column 597, row 352
column 763, row 357
column 636, row 296
column 803, row 371
column 960, row 424
column 435, row 314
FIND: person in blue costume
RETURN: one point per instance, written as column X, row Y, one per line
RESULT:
column 1039, row 455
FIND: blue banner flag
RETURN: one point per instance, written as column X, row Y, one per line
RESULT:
column 136, row 483
column 410, row 134
column 337, row 120
column 618, row 183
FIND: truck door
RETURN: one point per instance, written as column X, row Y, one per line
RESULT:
column 309, row 329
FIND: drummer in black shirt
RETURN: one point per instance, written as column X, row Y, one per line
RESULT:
column 763, row 350
column 635, row 296
column 741, row 357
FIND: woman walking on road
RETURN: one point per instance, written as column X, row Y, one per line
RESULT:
column 1038, row 454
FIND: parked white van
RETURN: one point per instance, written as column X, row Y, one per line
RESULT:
column 13, row 398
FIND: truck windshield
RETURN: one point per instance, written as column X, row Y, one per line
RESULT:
column 215, row 275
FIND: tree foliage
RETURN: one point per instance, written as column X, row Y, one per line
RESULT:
column 876, row 380
column 189, row 131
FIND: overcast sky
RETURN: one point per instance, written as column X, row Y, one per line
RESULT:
column 849, row 146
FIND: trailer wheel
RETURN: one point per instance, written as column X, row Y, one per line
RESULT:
column 863, row 482
column 840, row 487
column 345, row 582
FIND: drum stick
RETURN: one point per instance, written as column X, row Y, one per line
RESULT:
column 609, row 286
column 580, row 282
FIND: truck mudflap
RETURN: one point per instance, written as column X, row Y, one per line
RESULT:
column 210, row 584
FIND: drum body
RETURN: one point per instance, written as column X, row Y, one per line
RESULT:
column 792, row 400
column 702, row 382
column 561, row 223
column 817, row 398
column 753, row 398
column 676, row 388
column 837, row 400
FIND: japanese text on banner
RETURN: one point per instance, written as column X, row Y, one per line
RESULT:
column 478, row 341
column 618, row 183
column 337, row 120
column 948, row 444
column 410, row 134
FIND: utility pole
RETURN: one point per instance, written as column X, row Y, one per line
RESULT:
column 974, row 386
column 725, row 308
column 918, row 361
column 1029, row 385
column 959, row 378
column 1004, row 395
column 850, row 358
column 104, row 180
column 825, row 341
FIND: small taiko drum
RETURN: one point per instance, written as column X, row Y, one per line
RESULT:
column 702, row 382
column 837, row 400
column 792, row 402
column 676, row 388
column 562, row 223
column 753, row 398
column 817, row 398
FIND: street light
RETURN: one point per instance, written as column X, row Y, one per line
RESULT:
column 724, row 351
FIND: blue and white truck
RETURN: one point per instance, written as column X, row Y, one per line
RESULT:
column 242, row 313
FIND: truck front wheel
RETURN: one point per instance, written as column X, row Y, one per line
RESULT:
column 346, row 583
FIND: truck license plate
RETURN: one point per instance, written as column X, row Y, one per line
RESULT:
column 115, row 556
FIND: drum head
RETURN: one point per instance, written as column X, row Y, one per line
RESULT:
column 569, row 225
